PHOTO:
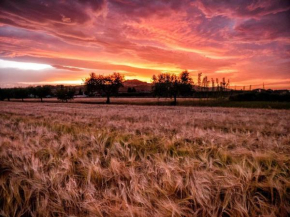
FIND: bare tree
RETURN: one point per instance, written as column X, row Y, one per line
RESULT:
column 228, row 84
column 217, row 83
column 223, row 84
column 199, row 80
column 212, row 84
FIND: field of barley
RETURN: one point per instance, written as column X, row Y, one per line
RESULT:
column 59, row 159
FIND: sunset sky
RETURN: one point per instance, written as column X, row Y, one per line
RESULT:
column 62, row 41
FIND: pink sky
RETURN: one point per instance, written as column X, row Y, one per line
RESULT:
column 245, row 41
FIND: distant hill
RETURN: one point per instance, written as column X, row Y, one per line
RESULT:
column 135, row 82
column 140, row 86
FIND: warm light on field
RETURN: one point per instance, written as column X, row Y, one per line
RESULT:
column 66, row 159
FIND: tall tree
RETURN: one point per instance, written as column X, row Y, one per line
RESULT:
column 104, row 85
column 2, row 94
column 223, row 84
column 20, row 93
column 199, row 80
column 212, row 84
column 217, row 84
column 185, row 84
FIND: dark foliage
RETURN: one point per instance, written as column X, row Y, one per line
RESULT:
column 22, row 93
column 171, row 85
column 104, row 85
column 32, row 92
column 2, row 97
column 7, row 93
column 65, row 93
column 262, row 96
column 42, row 91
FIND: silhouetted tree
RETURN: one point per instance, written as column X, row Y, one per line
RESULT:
column 32, row 91
column 20, row 93
column 162, row 84
column 104, row 85
column 2, row 94
column 65, row 93
column 217, row 84
column 185, row 84
column 7, row 93
column 42, row 91
column 205, row 83
column 212, row 84
column 171, row 85
column 223, row 84
column 199, row 80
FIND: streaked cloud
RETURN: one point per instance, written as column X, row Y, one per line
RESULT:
column 241, row 39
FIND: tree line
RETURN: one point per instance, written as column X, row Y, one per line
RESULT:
column 163, row 85
column 63, row 93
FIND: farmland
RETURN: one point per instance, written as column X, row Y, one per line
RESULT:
column 76, row 159
column 212, row 102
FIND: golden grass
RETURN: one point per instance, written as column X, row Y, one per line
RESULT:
column 117, row 160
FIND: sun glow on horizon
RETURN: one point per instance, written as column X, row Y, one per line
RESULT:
column 145, row 79
column 62, row 82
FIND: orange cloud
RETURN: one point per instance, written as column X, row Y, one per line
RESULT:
column 242, row 40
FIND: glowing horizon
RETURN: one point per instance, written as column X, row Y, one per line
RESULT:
column 245, row 41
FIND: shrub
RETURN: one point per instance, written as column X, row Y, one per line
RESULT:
column 263, row 96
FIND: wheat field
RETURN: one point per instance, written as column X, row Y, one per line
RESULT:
column 124, row 160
